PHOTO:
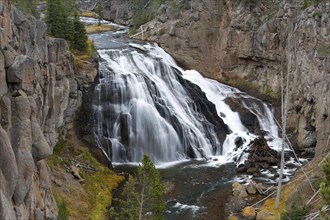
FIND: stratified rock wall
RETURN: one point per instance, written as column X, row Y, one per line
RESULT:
column 38, row 96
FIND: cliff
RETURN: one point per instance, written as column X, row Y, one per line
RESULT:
column 40, row 90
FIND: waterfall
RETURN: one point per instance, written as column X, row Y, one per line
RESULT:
column 145, row 104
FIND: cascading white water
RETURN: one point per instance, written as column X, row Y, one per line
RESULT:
column 146, row 104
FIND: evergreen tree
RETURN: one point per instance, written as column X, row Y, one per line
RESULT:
column 152, row 191
column 147, row 202
column 80, row 36
column 57, row 19
column 99, row 11
column 129, row 207
column 27, row 6
column 63, row 21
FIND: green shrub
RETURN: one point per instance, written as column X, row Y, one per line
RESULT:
column 297, row 211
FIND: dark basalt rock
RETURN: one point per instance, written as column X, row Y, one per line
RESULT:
column 204, row 106
column 248, row 119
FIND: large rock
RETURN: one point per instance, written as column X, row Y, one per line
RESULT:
column 239, row 190
column 20, row 74
column 249, row 212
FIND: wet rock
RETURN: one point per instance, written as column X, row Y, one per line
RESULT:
column 249, row 212
column 248, row 119
column 239, row 141
column 241, row 168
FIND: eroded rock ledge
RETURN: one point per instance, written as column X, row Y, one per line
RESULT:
column 40, row 90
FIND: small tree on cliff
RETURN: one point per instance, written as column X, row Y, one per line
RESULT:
column 144, row 195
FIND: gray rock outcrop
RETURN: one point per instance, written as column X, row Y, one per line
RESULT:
column 39, row 94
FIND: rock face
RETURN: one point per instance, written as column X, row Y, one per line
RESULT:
column 39, row 93
column 252, row 42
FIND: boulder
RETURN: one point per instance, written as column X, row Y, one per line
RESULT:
column 20, row 74
column 251, row 189
column 75, row 172
column 239, row 190
column 249, row 212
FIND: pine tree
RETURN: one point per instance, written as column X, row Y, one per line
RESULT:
column 99, row 11
column 57, row 19
column 80, row 36
column 146, row 202
column 129, row 206
column 63, row 21
column 27, row 6
column 152, row 191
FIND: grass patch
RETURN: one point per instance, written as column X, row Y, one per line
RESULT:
column 89, row 14
column 241, row 84
column 91, row 29
column 80, row 57
column 81, row 200
column 269, row 204
column 308, row 3
column 268, row 91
